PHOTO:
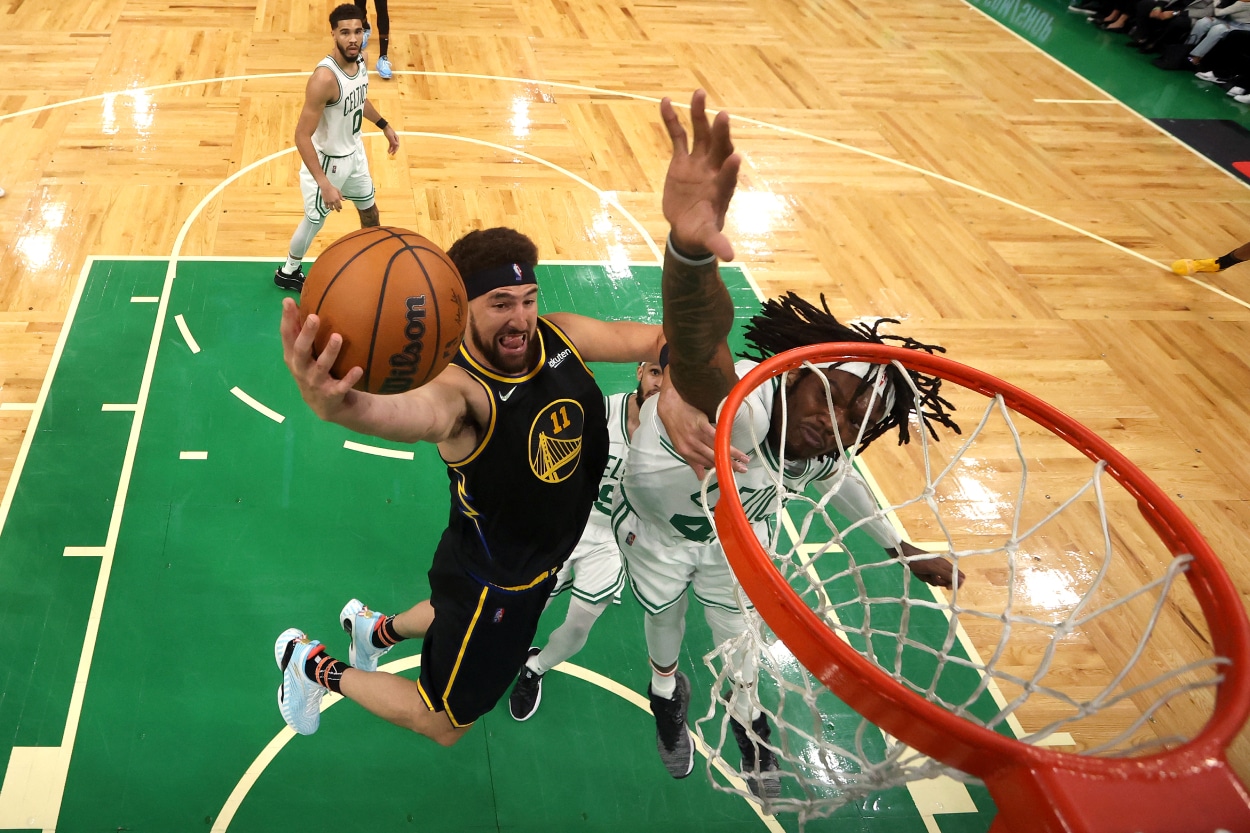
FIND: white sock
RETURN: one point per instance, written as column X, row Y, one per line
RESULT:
column 663, row 685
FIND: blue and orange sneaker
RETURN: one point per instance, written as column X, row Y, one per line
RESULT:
column 299, row 698
column 361, row 622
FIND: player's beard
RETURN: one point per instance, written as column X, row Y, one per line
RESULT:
column 511, row 365
column 347, row 59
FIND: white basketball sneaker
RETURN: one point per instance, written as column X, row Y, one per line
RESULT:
column 299, row 698
column 360, row 622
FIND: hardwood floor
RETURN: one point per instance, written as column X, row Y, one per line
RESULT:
column 901, row 160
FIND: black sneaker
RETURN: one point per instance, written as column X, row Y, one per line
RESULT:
column 672, row 737
column 759, row 763
column 527, row 693
column 285, row 280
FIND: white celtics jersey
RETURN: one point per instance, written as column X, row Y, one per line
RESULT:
column 618, row 444
column 338, row 132
column 661, row 488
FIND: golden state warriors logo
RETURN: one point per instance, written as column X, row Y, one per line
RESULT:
column 556, row 440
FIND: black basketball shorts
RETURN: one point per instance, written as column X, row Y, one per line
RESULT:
column 479, row 639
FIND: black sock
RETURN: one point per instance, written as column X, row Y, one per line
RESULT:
column 1228, row 260
column 385, row 635
column 383, row 42
column 325, row 670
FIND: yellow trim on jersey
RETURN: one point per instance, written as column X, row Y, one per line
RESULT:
column 490, row 428
column 511, row 380
column 572, row 347
column 455, row 669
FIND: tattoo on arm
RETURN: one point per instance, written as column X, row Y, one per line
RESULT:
column 698, row 314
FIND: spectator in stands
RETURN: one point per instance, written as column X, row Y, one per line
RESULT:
column 1208, row 31
column 1160, row 23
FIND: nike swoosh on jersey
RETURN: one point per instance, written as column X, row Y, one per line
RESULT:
column 503, row 397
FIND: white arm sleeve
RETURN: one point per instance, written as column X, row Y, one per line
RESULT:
column 854, row 500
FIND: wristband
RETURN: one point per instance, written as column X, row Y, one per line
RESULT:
column 663, row 362
column 690, row 259
column 381, row 123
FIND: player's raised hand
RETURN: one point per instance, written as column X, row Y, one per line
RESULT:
column 325, row 394
column 701, row 179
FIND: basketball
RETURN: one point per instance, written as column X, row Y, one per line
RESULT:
column 397, row 301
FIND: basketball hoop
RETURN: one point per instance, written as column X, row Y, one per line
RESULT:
column 1186, row 785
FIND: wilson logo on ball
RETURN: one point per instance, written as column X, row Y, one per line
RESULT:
column 404, row 363
column 396, row 300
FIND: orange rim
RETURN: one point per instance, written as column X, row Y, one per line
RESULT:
column 906, row 715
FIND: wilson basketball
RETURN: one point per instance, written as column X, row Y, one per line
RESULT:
column 397, row 301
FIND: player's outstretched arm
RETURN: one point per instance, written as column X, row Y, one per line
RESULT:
column 610, row 341
column 698, row 312
column 434, row 412
column 854, row 500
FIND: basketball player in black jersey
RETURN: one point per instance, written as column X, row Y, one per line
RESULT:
column 518, row 392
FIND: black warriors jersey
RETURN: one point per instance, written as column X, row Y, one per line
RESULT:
column 520, row 500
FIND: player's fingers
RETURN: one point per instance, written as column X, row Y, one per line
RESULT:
column 727, row 179
column 349, row 380
column 719, row 245
column 288, row 325
column 304, row 341
column 699, row 456
column 673, row 124
column 331, row 352
column 721, row 146
column 698, row 119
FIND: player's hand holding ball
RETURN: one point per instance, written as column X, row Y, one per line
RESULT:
column 383, row 310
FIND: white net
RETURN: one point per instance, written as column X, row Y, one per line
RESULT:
column 1072, row 628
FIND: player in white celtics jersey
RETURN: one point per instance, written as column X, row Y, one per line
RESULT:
column 668, row 544
column 593, row 572
column 333, row 163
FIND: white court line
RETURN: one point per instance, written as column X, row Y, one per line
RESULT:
column 145, row 299
column 119, row 406
column 269, row 412
column 76, row 552
column 186, row 333
column 24, row 450
column 378, row 452
column 16, row 406
column 192, row 455
column 286, row 734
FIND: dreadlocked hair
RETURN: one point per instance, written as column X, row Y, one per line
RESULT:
column 790, row 321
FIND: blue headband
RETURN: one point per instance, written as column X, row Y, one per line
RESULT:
column 506, row 274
